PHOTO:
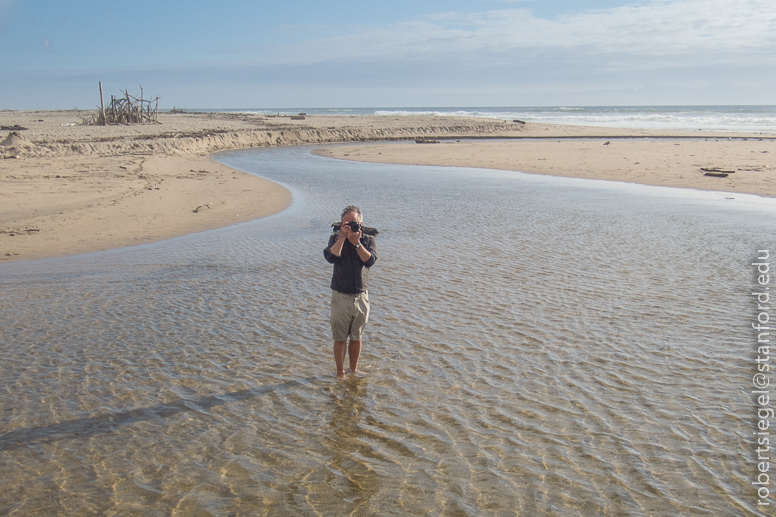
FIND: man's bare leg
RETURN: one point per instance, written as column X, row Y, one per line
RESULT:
column 354, row 352
column 340, row 349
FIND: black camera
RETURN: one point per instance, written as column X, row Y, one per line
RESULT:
column 354, row 226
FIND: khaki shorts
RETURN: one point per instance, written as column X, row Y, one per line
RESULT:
column 349, row 314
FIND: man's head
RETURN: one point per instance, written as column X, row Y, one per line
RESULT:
column 351, row 213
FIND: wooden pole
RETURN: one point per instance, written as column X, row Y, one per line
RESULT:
column 102, row 107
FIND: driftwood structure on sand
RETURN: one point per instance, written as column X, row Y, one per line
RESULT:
column 126, row 109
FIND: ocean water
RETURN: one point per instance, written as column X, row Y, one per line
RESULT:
column 756, row 119
column 538, row 346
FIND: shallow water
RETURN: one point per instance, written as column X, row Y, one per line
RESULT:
column 541, row 346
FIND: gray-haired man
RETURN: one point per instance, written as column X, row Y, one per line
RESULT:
column 353, row 251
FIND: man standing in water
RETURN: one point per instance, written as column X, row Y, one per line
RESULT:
column 352, row 250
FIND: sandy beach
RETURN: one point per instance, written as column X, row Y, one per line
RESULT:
column 67, row 188
column 670, row 162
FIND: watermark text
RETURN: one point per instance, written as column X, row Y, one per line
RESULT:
column 762, row 379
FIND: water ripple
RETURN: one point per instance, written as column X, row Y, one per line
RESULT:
column 537, row 346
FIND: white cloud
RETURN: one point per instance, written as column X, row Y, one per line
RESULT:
column 668, row 31
column 48, row 47
column 650, row 52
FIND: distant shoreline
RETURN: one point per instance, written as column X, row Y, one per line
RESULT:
column 752, row 118
column 68, row 188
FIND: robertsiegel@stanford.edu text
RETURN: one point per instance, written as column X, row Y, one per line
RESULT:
column 762, row 379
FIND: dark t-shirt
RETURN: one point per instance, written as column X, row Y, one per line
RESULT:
column 351, row 275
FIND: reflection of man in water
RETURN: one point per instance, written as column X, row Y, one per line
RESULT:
column 343, row 441
column 352, row 252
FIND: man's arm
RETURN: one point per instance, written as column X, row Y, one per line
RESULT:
column 335, row 248
column 368, row 252
column 335, row 241
column 355, row 239
column 363, row 253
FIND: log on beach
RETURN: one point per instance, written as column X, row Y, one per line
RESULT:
column 716, row 172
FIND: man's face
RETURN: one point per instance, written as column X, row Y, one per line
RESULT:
column 349, row 217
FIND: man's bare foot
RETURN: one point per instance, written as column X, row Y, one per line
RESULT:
column 342, row 376
column 359, row 373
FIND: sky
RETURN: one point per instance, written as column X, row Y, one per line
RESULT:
column 402, row 53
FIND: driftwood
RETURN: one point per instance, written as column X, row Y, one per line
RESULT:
column 13, row 233
column 716, row 170
column 102, row 106
column 426, row 141
column 126, row 109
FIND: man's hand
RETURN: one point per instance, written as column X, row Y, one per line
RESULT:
column 346, row 232
column 353, row 237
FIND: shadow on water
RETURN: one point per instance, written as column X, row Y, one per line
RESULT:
column 109, row 422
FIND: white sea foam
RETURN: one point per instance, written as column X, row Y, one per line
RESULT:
column 710, row 118
column 751, row 119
